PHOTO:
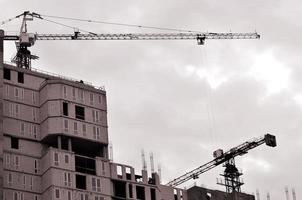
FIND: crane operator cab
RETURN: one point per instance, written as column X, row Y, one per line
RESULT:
column 27, row 39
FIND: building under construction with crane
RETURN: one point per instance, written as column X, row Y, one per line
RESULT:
column 54, row 134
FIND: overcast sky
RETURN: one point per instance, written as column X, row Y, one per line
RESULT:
column 180, row 100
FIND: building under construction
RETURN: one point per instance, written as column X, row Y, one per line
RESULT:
column 54, row 136
column 47, row 123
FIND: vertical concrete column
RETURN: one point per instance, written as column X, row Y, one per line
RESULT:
column 69, row 144
column 1, row 112
column 59, row 142
column 156, row 178
column 145, row 176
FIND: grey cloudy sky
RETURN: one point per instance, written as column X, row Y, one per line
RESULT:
column 181, row 100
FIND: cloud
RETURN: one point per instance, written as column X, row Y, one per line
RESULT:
column 273, row 73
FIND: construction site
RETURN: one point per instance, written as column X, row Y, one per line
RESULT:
column 54, row 138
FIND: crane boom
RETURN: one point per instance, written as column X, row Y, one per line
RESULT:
column 241, row 149
column 140, row 36
column 148, row 36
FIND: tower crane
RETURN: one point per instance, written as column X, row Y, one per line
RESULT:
column 25, row 39
column 231, row 173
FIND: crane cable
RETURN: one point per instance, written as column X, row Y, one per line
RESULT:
column 68, row 26
column 122, row 24
column 209, row 102
column 44, row 17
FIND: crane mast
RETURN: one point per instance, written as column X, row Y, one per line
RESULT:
column 231, row 173
column 25, row 39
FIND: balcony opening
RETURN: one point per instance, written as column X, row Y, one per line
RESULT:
column 85, row 165
column 79, row 146
column 64, row 143
column 80, row 182
column 80, row 112
column 140, row 192
column 119, row 189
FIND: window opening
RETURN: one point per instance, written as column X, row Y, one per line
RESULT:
column 98, row 185
column 119, row 171
column 69, row 195
column 65, row 125
column 17, row 162
column 31, row 182
column 130, row 191
column 6, row 73
column 100, row 99
column 10, row 179
column 74, row 93
column 65, row 91
column 20, row 77
column 175, row 194
column 119, row 189
column 7, row 91
column 91, row 98
column 33, row 97
column 80, row 112
column 57, row 193
column 66, row 159
column 153, row 193
column 36, row 166
column 75, row 127
column 17, row 110
column 65, row 108
column 56, row 159
column 64, row 143
column 16, row 93
column 140, row 192
column 80, row 182
column 14, row 143
column 84, row 129
column 24, row 180
column 85, row 165
column 128, row 173
column 81, row 95
column 15, row 196
column 22, row 128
